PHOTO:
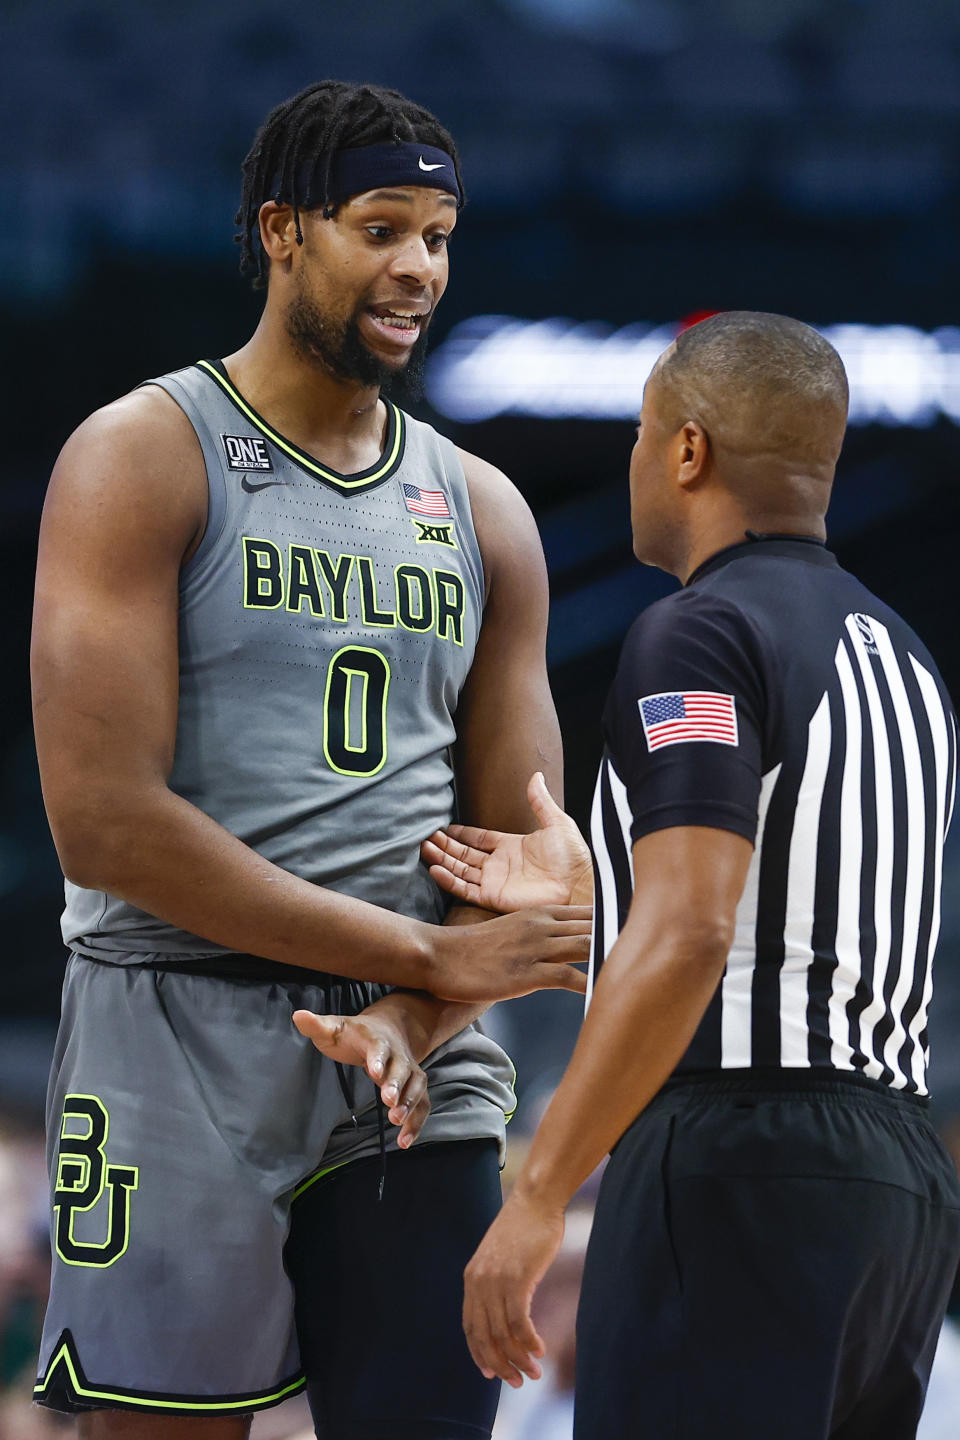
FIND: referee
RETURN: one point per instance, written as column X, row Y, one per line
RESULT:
column 778, row 1228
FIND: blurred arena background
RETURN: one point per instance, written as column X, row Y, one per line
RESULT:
column 629, row 164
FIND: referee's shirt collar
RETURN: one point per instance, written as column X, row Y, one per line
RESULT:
column 799, row 547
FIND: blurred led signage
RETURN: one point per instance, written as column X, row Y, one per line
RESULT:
column 563, row 369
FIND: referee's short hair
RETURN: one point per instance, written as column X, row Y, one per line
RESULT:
column 757, row 382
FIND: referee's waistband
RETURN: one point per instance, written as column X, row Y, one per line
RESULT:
column 820, row 1080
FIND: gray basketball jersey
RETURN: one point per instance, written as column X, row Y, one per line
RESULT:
column 327, row 626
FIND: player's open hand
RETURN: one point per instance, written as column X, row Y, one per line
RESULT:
column 512, row 955
column 378, row 1046
column 499, row 1285
column 498, row 871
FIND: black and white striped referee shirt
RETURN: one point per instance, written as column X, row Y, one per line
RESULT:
column 774, row 696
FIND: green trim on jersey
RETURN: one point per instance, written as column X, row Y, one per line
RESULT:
column 80, row 1391
column 347, row 484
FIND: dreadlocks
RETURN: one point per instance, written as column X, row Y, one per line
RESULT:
column 329, row 116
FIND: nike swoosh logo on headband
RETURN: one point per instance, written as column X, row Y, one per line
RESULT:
column 423, row 166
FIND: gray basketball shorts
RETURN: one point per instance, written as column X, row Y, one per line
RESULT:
column 185, row 1117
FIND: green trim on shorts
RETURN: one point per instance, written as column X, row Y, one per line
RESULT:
column 341, row 1164
column 319, row 1174
column 79, row 1391
column 508, row 1116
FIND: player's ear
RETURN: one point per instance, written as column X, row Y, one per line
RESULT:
column 692, row 450
column 278, row 231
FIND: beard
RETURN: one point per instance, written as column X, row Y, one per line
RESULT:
column 337, row 347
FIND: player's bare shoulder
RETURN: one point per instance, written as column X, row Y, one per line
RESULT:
column 506, row 530
column 491, row 492
column 135, row 462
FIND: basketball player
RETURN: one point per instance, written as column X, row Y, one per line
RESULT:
column 778, row 1228
column 258, row 666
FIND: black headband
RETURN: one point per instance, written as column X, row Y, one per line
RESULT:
column 373, row 167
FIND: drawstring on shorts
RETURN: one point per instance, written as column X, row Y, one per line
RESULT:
column 254, row 969
column 357, row 996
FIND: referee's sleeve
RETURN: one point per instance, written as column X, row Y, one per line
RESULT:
column 684, row 721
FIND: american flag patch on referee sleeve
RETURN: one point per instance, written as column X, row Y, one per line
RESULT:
column 676, row 716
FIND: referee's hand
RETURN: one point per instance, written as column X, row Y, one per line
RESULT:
column 499, row 1285
column 378, row 1046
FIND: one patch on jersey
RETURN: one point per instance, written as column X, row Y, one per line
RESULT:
column 676, row 716
column 429, row 533
column 246, row 452
column 424, row 502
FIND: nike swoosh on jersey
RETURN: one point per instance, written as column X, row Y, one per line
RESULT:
column 424, row 166
column 252, row 489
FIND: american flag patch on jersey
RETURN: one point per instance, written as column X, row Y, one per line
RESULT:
column 424, row 502
column 679, row 715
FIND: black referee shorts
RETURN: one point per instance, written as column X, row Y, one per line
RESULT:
column 770, row 1260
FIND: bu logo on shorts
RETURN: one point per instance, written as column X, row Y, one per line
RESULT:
column 83, row 1176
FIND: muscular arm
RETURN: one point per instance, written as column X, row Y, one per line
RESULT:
column 651, row 994
column 507, row 724
column 126, row 506
column 650, row 997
